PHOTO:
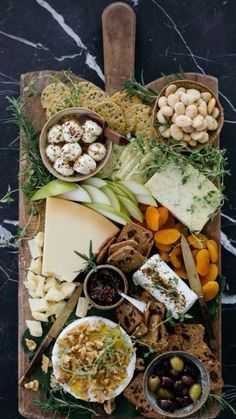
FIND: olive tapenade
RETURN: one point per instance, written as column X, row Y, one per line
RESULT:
column 103, row 285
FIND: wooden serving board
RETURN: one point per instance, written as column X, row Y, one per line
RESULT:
column 118, row 23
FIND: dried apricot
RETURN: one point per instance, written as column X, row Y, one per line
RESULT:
column 181, row 272
column 174, row 257
column 152, row 217
column 163, row 212
column 170, row 223
column 211, row 274
column 164, row 247
column 202, row 262
column 198, row 241
column 165, row 256
column 194, row 253
column 167, row 236
column 213, row 250
column 210, row 290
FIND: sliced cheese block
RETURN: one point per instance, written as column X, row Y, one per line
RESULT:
column 38, row 304
column 35, row 248
column 189, row 196
column 35, row 328
column 163, row 284
column 69, row 227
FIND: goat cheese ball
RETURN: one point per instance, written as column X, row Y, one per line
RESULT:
column 97, row 151
column 71, row 151
column 91, row 131
column 62, row 166
column 55, row 134
column 85, row 164
column 53, row 152
column 72, row 131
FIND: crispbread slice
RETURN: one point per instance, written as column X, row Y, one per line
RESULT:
column 141, row 235
column 127, row 259
column 54, row 93
column 116, row 246
column 103, row 250
column 128, row 316
column 113, row 114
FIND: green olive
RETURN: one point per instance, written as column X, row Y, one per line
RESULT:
column 163, row 393
column 195, row 391
column 174, row 372
column 177, row 363
column 153, row 382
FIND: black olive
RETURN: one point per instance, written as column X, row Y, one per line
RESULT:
column 179, row 400
column 185, row 391
column 166, row 365
column 167, row 381
column 186, row 401
column 169, row 405
column 187, row 380
column 190, row 370
column 178, row 387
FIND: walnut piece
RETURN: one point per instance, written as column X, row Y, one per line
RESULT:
column 109, row 406
column 140, row 364
column 31, row 344
column 32, row 385
column 46, row 363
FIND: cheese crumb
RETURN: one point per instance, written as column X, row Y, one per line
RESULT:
column 32, row 385
column 46, row 363
column 31, row 344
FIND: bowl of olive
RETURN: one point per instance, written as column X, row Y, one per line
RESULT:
column 176, row 384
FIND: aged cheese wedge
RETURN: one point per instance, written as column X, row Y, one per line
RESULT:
column 163, row 284
column 69, row 227
column 35, row 328
column 189, row 196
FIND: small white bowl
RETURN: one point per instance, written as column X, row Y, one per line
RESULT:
column 92, row 320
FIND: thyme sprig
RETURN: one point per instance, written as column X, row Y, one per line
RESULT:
column 89, row 259
column 134, row 88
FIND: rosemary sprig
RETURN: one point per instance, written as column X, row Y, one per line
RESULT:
column 60, row 404
column 224, row 400
column 89, row 259
column 133, row 88
column 35, row 174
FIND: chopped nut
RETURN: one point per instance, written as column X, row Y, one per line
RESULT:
column 45, row 364
column 32, row 385
column 31, row 344
column 109, row 406
column 140, row 364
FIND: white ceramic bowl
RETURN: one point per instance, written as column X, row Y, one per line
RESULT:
column 92, row 320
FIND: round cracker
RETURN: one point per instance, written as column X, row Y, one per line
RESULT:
column 124, row 100
column 134, row 114
column 146, row 129
column 88, row 100
column 54, row 92
column 87, row 86
column 113, row 114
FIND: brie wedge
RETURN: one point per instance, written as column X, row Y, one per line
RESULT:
column 163, row 284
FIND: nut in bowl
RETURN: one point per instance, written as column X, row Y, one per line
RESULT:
column 176, row 384
column 73, row 146
column 188, row 112
column 93, row 359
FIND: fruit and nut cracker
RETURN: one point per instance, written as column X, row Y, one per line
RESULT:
column 116, row 246
column 127, row 259
column 113, row 114
column 141, row 235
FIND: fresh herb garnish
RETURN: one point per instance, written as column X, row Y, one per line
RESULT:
column 89, row 259
column 225, row 400
column 133, row 88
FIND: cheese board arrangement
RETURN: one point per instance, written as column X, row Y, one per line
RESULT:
column 119, row 259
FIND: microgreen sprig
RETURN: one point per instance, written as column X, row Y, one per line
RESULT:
column 89, row 259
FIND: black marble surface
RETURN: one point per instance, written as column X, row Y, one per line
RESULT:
column 197, row 35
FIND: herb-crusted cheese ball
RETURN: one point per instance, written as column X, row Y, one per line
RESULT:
column 97, row 151
column 55, row 134
column 85, row 164
column 53, row 152
column 72, row 131
column 71, row 151
column 91, row 131
column 62, row 166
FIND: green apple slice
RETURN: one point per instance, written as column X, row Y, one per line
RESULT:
column 146, row 199
column 110, row 213
column 131, row 208
column 53, row 188
column 96, row 195
column 119, row 189
column 79, row 195
column 135, row 187
column 95, row 181
column 112, row 197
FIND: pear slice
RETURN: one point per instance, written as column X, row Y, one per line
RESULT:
column 146, row 199
column 53, row 188
column 96, row 195
column 79, row 195
column 94, row 181
column 132, row 208
column 112, row 197
column 110, row 213
column 135, row 187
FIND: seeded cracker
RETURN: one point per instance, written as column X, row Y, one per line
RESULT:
column 113, row 114
column 136, row 113
column 54, row 93
column 88, row 100
column 146, row 129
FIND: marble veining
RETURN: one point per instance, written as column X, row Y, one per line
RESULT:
column 37, row 34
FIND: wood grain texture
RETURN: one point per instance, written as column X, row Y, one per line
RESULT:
column 36, row 115
column 118, row 27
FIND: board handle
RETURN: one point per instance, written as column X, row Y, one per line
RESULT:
column 119, row 29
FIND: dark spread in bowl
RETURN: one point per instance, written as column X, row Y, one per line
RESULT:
column 102, row 287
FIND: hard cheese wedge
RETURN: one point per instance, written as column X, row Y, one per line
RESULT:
column 68, row 227
column 163, row 284
column 189, row 196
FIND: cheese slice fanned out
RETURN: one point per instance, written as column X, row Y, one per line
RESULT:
column 189, row 196
column 69, row 227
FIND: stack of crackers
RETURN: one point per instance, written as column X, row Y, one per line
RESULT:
column 123, row 114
